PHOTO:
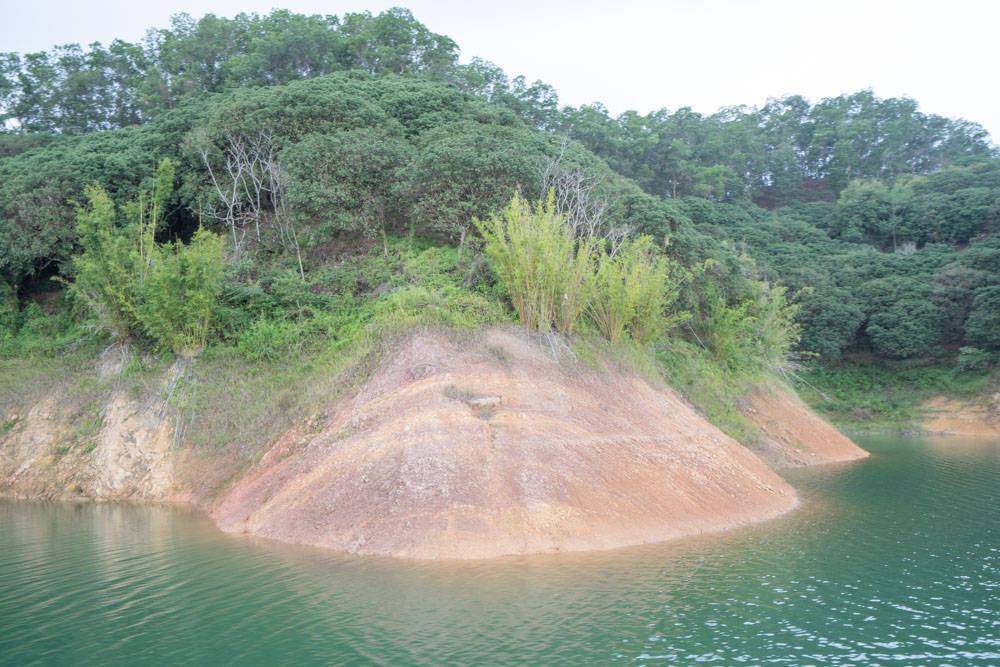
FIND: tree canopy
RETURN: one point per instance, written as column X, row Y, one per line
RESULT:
column 293, row 135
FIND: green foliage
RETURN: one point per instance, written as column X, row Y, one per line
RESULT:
column 348, row 181
column 135, row 286
column 449, row 307
column 906, row 329
column 36, row 332
column 546, row 271
column 867, row 393
column 974, row 360
column 9, row 315
column 369, row 295
column 40, row 191
column 830, row 320
column 269, row 339
column 863, row 212
column 711, row 386
column 108, row 272
column 752, row 336
column 180, row 290
column 787, row 151
column 632, row 290
column 983, row 325
column 863, row 207
column 72, row 90
column 469, row 170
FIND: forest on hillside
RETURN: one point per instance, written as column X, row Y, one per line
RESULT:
column 342, row 160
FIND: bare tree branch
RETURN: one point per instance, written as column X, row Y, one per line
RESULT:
column 577, row 196
column 252, row 192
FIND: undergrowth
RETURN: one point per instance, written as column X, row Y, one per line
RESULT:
column 863, row 394
column 710, row 386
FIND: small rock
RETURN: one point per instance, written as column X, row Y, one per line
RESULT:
column 484, row 401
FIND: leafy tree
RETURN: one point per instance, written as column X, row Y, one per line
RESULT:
column 467, row 170
column 908, row 328
column 983, row 326
column 864, row 213
column 349, row 181
column 830, row 320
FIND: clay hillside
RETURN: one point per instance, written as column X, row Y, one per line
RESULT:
column 481, row 447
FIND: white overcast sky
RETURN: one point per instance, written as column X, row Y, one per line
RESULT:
column 645, row 55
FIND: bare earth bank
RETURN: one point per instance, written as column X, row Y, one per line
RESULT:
column 792, row 434
column 946, row 416
column 449, row 450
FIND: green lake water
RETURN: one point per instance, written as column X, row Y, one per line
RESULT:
column 894, row 560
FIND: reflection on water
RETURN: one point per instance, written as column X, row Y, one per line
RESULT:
column 895, row 560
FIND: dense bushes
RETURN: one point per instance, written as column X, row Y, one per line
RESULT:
column 135, row 286
column 983, row 325
column 752, row 335
column 301, row 154
column 347, row 155
column 556, row 277
column 633, row 289
column 856, row 298
column 547, row 272
column 180, row 292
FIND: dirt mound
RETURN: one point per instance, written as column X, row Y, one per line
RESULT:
column 952, row 417
column 794, row 435
column 490, row 448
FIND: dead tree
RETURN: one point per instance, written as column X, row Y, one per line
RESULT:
column 577, row 196
column 250, row 188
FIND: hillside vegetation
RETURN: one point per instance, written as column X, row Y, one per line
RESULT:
column 284, row 188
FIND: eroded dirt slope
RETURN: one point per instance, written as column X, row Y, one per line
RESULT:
column 792, row 434
column 952, row 417
column 493, row 448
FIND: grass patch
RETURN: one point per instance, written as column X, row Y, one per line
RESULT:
column 710, row 386
column 864, row 394
column 8, row 425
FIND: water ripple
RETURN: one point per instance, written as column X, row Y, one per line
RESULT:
column 895, row 560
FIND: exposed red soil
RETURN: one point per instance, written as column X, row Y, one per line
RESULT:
column 479, row 450
column 951, row 417
column 794, row 435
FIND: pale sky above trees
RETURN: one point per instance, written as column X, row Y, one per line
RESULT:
column 645, row 55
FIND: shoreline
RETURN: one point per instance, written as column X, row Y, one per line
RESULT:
column 448, row 451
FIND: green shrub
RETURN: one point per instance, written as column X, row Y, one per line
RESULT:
column 983, row 326
column 874, row 394
column 776, row 332
column 180, row 292
column 445, row 306
column 35, row 332
column 8, row 310
column 269, row 340
column 753, row 336
column 908, row 328
column 135, row 286
column 710, row 385
column 632, row 289
column 547, row 272
column 972, row 359
column 108, row 272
